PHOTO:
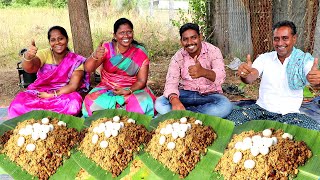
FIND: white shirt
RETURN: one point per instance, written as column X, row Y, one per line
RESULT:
column 274, row 92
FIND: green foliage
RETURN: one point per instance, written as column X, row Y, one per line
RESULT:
column 35, row 3
column 197, row 12
column 5, row 2
column 22, row 2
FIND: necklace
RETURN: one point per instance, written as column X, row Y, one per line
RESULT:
column 118, row 51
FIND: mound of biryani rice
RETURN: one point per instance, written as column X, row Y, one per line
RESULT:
column 179, row 143
column 111, row 142
column 39, row 146
column 268, row 154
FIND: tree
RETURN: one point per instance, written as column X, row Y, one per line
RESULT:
column 80, row 27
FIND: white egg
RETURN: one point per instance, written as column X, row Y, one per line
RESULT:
column 183, row 120
column 264, row 150
column 30, row 147
column 258, row 143
column 45, row 128
column 101, row 129
column 182, row 134
column 29, row 127
column 35, row 136
column 36, row 126
column 51, row 127
column 256, row 138
column 287, row 135
column 183, row 127
column 247, row 140
column 169, row 126
column 22, row 131
column 175, row 125
column 249, row 164
column 246, row 146
column 189, row 126
column 28, row 131
column 45, row 121
column 43, row 135
column 168, row 129
column 95, row 129
column 107, row 124
column 162, row 140
column 132, row 121
column 175, row 134
column 116, row 126
column 20, row 141
column 104, row 144
column 114, row 133
column 254, row 151
column 95, row 138
column 102, row 125
column 61, row 123
column 198, row 122
column 121, row 124
column 267, row 141
column 163, row 131
column 267, row 133
column 238, row 145
column 107, row 133
column 274, row 140
column 237, row 156
column 171, row 145
column 116, row 119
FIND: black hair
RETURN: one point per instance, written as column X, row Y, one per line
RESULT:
column 59, row 28
column 286, row 23
column 120, row 22
column 189, row 26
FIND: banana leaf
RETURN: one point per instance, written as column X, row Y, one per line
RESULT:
column 311, row 169
column 204, row 168
column 69, row 168
column 90, row 166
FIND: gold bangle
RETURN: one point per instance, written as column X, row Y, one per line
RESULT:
column 25, row 59
column 55, row 93
column 96, row 59
column 130, row 91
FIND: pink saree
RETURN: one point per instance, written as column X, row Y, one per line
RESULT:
column 49, row 78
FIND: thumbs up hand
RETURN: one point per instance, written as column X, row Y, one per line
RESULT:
column 245, row 68
column 195, row 71
column 100, row 51
column 314, row 74
column 32, row 51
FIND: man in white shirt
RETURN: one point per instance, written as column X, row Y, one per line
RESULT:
column 284, row 73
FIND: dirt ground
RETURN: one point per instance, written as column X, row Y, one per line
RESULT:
column 9, row 81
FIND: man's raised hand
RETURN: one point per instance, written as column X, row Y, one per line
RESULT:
column 245, row 68
column 196, row 69
column 314, row 74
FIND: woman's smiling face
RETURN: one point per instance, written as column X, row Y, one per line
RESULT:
column 124, row 35
column 58, row 42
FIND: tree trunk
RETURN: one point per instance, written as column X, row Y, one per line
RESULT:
column 80, row 27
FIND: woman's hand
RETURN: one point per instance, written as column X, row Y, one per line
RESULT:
column 121, row 91
column 31, row 52
column 45, row 95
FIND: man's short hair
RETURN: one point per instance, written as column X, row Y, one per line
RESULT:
column 189, row 26
column 286, row 23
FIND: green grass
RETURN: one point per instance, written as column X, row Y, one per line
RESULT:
column 21, row 25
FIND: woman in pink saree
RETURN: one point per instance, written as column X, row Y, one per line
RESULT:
column 124, row 74
column 60, row 78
